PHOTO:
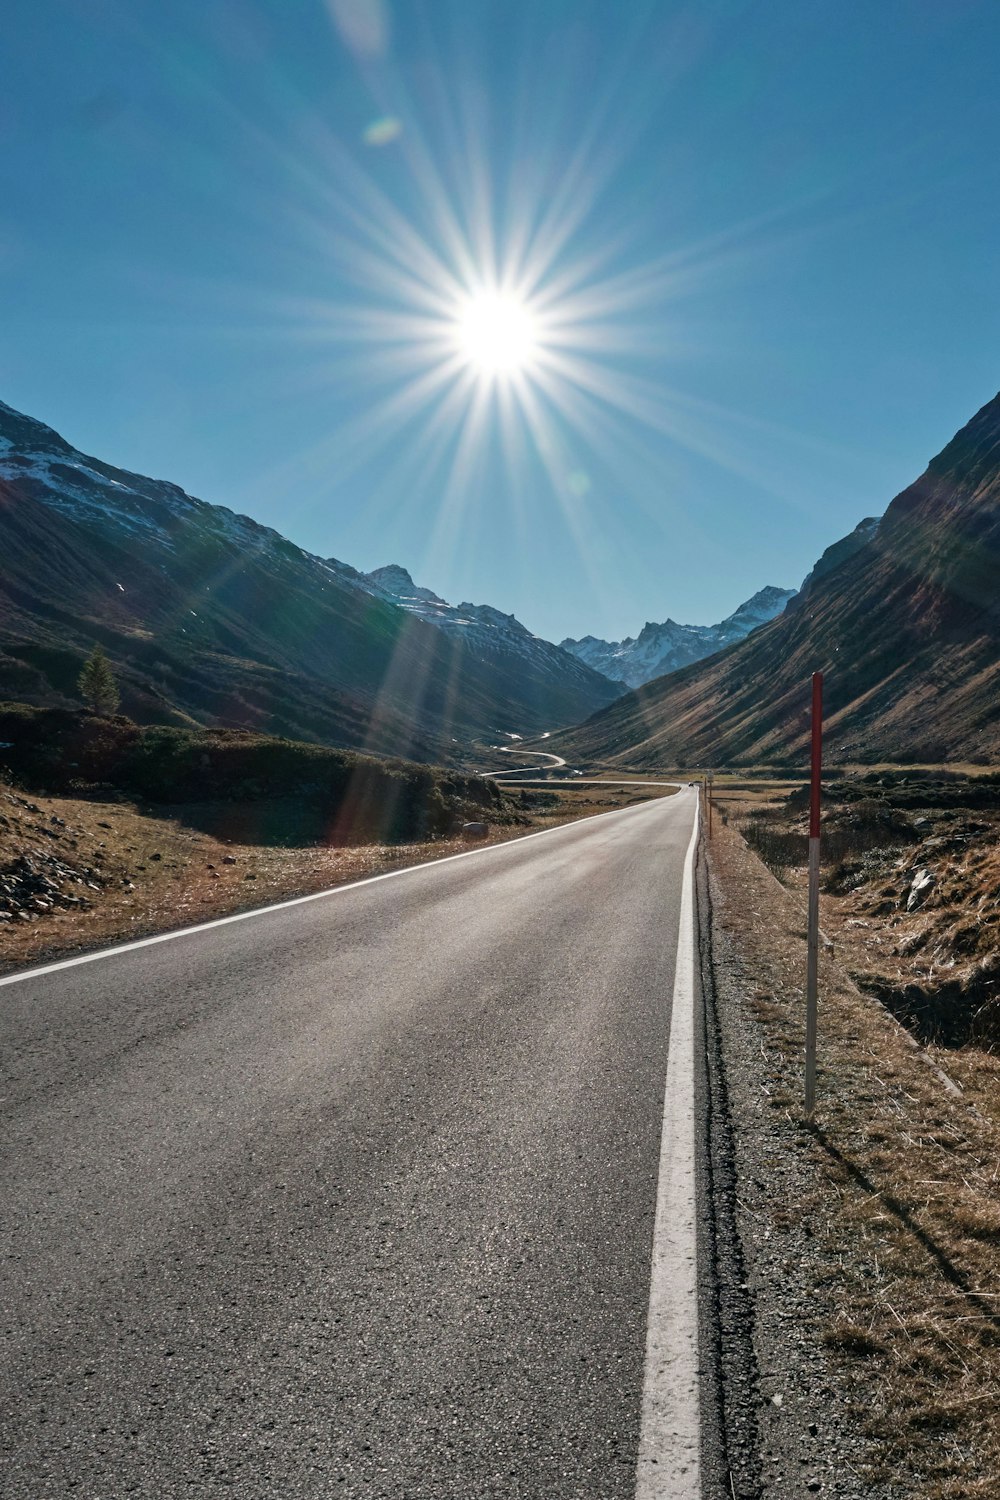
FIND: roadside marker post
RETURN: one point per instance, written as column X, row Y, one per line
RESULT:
column 812, row 961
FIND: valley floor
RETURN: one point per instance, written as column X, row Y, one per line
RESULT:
column 79, row 874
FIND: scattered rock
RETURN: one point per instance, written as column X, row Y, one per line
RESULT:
column 921, row 886
column 39, row 883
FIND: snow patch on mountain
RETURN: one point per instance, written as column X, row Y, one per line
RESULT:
column 397, row 584
column 49, row 469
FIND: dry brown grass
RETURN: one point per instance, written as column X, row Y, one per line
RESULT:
column 903, row 1214
column 938, row 966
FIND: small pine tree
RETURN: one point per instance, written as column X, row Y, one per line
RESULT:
column 97, row 683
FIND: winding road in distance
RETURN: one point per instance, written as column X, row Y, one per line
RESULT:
column 355, row 1196
column 552, row 760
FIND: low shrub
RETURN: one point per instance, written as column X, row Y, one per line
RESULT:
column 780, row 849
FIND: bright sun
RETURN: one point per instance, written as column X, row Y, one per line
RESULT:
column 497, row 333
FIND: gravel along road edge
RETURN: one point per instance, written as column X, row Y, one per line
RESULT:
column 778, row 1416
column 700, row 1432
column 798, row 1411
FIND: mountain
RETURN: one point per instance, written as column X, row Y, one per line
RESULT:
column 663, row 648
column 495, row 637
column 904, row 622
column 210, row 618
column 395, row 583
column 839, row 552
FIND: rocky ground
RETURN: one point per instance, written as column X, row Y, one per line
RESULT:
column 871, row 1240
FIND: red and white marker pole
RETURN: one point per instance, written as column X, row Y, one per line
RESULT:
column 812, row 962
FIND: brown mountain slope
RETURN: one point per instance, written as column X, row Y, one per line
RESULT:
column 907, row 631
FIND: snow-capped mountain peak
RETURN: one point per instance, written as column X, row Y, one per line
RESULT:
column 661, row 648
column 398, row 584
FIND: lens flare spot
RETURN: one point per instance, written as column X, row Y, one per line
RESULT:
column 497, row 334
column 382, row 132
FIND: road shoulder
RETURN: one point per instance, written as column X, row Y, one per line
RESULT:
column 870, row 1370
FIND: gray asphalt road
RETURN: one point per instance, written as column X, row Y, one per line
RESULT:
column 350, row 1199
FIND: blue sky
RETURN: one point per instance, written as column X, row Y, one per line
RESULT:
column 764, row 237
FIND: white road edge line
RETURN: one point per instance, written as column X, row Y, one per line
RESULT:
column 335, row 890
column 669, row 1466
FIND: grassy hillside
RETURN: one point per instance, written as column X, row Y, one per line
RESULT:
column 346, row 795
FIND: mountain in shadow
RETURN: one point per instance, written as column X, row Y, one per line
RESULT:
column 211, row 619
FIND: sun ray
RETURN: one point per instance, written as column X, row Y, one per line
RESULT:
column 476, row 307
